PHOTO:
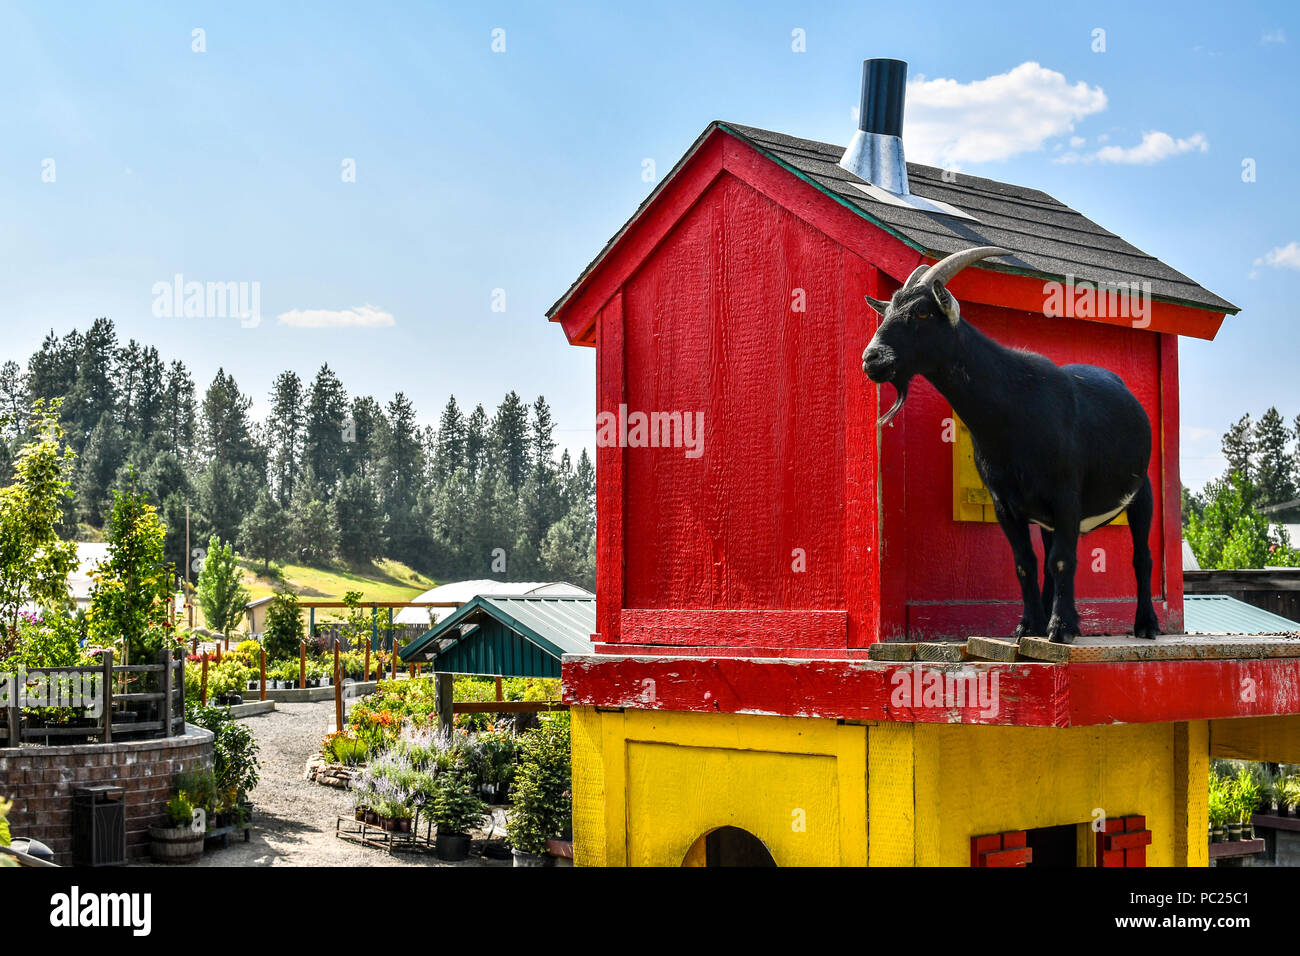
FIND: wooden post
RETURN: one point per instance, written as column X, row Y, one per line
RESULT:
column 203, row 682
column 302, row 665
column 392, row 663
column 227, row 642
column 262, row 668
column 374, row 626
column 444, row 690
column 15, row 713
column 367, row 675
column 165, row 661
column 311, row 622
column 392, row 643
column 338, row 691
column 107, row 682
column 500, row 695
column 195, row 651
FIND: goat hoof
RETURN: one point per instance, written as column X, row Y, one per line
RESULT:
column 1058, row 632
column 1148, row 629
column 1028, row 629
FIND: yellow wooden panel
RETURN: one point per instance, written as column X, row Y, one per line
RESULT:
column 976, row 780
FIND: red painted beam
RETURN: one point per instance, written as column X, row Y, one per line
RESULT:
column 1151, row 691
column 1021, row 694
column 1009, row 694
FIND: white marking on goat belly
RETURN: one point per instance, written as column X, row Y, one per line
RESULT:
column 1087, row 524
column 1042, row 524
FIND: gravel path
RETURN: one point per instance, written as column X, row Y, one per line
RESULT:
column 294, row 819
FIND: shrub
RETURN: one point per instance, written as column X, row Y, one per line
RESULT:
column 542, row 798
column 249, row 653
column 284, row 630
column 344, row 748
column 234, row 756
column 228, row 677
column 456, row 806
column 180, row 811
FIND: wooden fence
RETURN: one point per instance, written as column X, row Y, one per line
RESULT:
column 123, row 693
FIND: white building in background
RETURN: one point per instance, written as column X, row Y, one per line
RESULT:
column 89, row 554
column 463, row 591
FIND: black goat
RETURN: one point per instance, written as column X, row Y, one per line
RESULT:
column 1064, row 447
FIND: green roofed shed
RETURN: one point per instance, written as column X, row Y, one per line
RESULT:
column 507, row 636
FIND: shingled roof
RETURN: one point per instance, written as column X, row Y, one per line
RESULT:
column 1050, row 239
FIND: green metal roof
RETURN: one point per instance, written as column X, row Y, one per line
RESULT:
column 1220, row 614
column 508, row 636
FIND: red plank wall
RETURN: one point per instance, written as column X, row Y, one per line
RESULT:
column 800, row 528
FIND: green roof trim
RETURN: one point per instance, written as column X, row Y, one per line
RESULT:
column 507, row 636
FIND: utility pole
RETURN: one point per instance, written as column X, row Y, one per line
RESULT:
column 189, row 610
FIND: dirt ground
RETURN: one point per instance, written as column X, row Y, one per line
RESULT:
column 294, row 819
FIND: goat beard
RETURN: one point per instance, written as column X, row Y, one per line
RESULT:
column 901, row 387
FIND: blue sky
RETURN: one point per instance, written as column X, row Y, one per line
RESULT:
column 479, row 170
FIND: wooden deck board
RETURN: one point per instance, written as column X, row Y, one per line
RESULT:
column 1167, row 647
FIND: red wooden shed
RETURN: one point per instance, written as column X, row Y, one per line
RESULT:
column 734, row 299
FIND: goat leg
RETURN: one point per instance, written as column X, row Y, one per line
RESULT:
column 1139, row 522
column 1063, row 557
column 1049, row 589
column 1033, row 622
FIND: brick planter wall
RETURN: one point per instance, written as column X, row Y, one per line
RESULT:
column 41, row 781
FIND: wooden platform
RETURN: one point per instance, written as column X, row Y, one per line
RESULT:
column 1095, row 649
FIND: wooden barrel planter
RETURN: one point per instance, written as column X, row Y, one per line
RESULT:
column 175, row 845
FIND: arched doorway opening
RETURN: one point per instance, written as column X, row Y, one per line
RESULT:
column 728, row 846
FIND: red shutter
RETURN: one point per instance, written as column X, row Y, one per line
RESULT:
column 1123, row 842
column 1000, row 849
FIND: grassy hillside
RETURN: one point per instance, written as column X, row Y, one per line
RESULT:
column 383, row 580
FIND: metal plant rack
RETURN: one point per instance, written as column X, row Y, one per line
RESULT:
column 373, row 835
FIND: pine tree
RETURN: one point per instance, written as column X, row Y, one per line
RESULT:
column 1273, row 460
column 450, row 449
column 313, row 524
column 285, row 435
column 180, row 411
column 104, row 454
column 1239, row 448
column 263, row 534
column 360, row 520
column 509, row 441
column 324, row 446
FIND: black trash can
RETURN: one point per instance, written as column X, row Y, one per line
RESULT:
column 99, row 826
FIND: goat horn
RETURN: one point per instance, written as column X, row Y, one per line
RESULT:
column 917, row 274
column 943, row 271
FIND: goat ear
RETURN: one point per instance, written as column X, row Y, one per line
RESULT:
column 877, row 304
column 948, row 302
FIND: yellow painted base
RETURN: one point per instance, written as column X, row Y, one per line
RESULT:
column 648, row 785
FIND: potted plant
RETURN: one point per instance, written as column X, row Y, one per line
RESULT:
column 182, row 840
column 542, row 807
column 456, row 809
column 1218, row 807
column 1290, row 795
column 1247, row 794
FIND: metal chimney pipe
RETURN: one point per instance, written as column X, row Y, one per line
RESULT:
column 876, row 151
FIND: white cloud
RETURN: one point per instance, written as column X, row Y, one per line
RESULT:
column 1155, row 147
column 1273, row 37
column 949, row 123
column 1283, row 257
column 1077, row 141
column 361, row 317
